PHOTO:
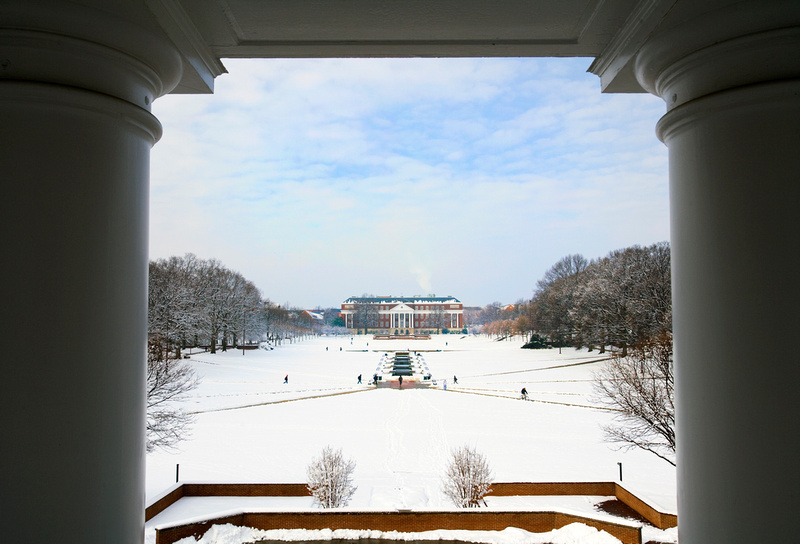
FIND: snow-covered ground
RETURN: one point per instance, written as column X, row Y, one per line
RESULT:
column 251, row 427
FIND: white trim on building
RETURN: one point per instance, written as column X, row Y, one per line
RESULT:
column 403, row 315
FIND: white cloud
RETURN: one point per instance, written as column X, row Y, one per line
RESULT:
column 321, row 179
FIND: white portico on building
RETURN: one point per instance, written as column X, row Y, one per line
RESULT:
column 402, row 315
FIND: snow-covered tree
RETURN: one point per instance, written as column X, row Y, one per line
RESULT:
column 640, row 387
column 468, row 478
column 330, row 478
column 169, row 379
column 172, row 307
column 553, row 300
column 624, row 299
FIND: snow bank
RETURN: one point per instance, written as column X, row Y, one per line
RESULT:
column 251, row 427
column 575, row 533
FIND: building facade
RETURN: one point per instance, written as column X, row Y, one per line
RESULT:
column 402, row 315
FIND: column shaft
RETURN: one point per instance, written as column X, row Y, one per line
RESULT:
column 731, row 81
column 74, row 223
column 734, row 194
column 75, row 90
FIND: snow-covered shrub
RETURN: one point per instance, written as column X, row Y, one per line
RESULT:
column 536, row 342
column 330, row 478
column 468, row 478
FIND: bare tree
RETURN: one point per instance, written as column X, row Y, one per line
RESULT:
column 641, row 388
column 468, row 478
column 438, row 320
column 366, row 314
column 330, row 478
column 168, row 381
column 489, row 313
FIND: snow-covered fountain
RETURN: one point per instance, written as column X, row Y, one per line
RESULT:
column 402, row 369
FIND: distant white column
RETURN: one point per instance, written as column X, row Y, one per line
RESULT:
column 731, row 81
column 75, row 92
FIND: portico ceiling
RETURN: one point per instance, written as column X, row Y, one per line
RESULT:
column 206, row 31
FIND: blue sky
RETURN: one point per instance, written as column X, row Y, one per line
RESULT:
column 323, row 179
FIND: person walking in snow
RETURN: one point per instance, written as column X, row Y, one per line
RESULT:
column 286, row 379
column 455, row 380
column 524, row 394
column 359, row 378
column 445, row 385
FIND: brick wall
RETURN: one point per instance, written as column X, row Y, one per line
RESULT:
column 661, row 520
column 602, row 489
column 407, row 522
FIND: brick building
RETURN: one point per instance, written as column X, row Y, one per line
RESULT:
column 402, row 315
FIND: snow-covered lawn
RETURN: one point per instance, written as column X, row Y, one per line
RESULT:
column 251, row 427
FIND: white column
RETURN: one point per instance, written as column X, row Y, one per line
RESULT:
column 75, row 139
column 731, row 81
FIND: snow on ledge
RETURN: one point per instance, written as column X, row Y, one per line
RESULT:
column 221, row 514
column 574, row 533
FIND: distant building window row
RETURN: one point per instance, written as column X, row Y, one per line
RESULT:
column 402, row 315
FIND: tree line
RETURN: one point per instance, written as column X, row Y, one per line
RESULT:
column 199, row 302
column 620, row 300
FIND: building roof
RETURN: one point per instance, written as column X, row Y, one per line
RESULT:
column 399, row 300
